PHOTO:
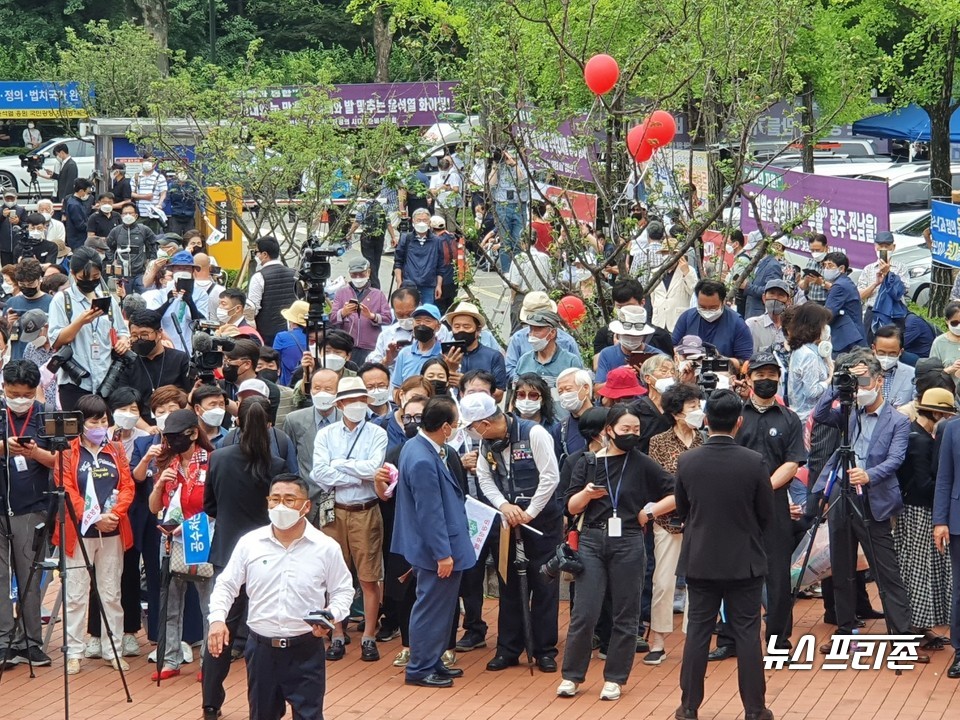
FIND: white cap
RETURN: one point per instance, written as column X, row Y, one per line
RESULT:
column 477, row 406
column 255, row 386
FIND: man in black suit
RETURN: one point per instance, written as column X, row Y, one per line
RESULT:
column 725, row 500
column 66, row 174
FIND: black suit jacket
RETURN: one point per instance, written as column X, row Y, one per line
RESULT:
column 65, row 179
column 236, row 498
column 725, row 499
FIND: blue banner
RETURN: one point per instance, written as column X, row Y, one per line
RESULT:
column 35, row 99
column 196, row 539
column 945, row 229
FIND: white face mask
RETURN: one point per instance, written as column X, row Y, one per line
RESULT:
column 125, row 420
column 359, row 282
column 223, row 315
column 831, row 274
column 35, row 234
column 47, row 216
column 818, row 257
column 213, row 417
column 710, row 315
column 527, row 408
column 30, row 126
column 728, row 247
column 405, row 324
column 954, row 329
column 19, row 405
column 538, row 344
column 664, row 384
column 182, row 176
column 284, row 518
column 323, row 400
column 570, row 401
column 10, row 203
column 379, row 398
column 7, row 288
column 334, row 362
column 887, row 362
column 106, row 209
column 148, row 167
column 355, row 411
column 128, row 219
column 421, row 227
column 183, row 275
column 161, row 421
column 694, row 419
column 865, row 398
column 630, row 342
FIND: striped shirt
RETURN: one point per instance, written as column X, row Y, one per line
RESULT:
column 156, row 185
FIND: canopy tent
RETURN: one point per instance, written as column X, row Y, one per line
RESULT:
column 909, row 123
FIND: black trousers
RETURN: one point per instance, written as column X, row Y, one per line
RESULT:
column 69, row 395
column 216, row 669
column 876, row 539
column 955, row 614
column 275, row 676
column 741, row 601
column 544, row 600
column 862, row 597
column 471, row 591
column 371, row 247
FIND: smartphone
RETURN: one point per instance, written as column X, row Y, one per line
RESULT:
column 638, row 358
column 320, row 618
column 185, row 284
column 811, row 271
column 102, row 304
column 591, row 487
column 446, row 347
column 404, row 343
column 884, row 255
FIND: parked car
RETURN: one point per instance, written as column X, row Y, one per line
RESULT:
column 909, row 191
column 13, row 175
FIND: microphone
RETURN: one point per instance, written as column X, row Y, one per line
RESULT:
column 202, row 342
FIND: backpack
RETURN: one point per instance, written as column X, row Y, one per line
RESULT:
column 374, row 220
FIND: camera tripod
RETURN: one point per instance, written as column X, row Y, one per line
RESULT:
column 59, row 429
column 850, row 505
column 33, row 189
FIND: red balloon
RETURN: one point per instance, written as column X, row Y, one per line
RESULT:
column 601, row 74
column 638, row 143
column 572, row 310
column 661, row 128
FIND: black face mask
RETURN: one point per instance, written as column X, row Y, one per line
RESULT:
column 87, row 286
column 410, row 429
column 230, row 373
column 29, row 291
column 143, row 348
column 423, row 333
column 178, row 443
column 626, row 442
column 440, row 387
column 765, row 389
column 465, row 337
column 269, row 375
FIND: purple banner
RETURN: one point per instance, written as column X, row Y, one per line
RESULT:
column 562, row 151
column 405, row 104
column 849, row 212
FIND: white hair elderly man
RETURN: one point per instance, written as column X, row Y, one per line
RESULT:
column 56, row 232
column 418, row 258
column 575, row 395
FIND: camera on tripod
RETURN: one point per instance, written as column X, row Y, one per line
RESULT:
column 711, row 364
column 845, row 384
column 32, row 163
column 313, row 274
column 208, row 351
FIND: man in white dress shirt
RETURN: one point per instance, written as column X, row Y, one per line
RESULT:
column 290, row 569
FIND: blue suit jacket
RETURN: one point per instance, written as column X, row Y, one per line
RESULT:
column 769, row 268
column 431, row 521
column 846, row 328
column 946, row 495
column 885, row 455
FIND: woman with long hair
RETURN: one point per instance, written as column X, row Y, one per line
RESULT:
column 807, row 329
column 96, row 477
column 436, row 371
column 532, row 400
column 177, row 495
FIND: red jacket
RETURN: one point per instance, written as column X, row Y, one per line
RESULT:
column 125, row 490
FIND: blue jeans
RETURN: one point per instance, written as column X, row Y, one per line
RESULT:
column 510, row 219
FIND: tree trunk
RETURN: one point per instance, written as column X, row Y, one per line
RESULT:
column 808, row 122
column 382, row 44
column 156, row 21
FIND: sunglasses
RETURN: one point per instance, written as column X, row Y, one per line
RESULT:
column 524, row 395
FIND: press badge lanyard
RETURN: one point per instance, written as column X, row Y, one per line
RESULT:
column 613, row 523
column 18, row 460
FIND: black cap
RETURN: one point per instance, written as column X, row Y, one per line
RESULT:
column 759, row 360
column 180, row 420
column 884, row 237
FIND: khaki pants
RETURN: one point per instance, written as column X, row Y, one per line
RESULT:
column 106, row 555
column 666, row 551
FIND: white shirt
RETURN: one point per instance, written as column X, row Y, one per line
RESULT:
column 31, row 137
column 255, row 291
column 871, row 274
column 56, row 232
column 447, row 198
column 542, row 447
column 350, row 477
column 531, row 272
column 284, row 584
column 213, row 297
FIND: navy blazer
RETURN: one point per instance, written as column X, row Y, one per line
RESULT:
column 946, row 495
column 846, row 328
column 431, row 520
column 885, row 455
column 769, row 268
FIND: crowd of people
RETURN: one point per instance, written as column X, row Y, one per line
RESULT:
column 690, row 448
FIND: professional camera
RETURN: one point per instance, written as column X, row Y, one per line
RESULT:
column 32, row 163
column 313, row 274
column 207, row 352
column 711, row 364
column 63, row 360
column 845, row 383
column 112, row 380
column 565, row 559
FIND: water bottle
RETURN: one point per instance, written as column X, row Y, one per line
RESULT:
column 111, row 502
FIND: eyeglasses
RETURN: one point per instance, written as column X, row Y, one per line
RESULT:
column 290, row 501
column 377, row 387
column 632, row 325
column 143, row 336
column 954, row 323
column 525, row 395
column 411, row 418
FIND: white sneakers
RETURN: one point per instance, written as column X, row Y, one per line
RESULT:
column 92, row 648
column 129, row 646
column 568, row 688
column 611, row 691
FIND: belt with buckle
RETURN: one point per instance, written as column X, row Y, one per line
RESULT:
column 284, row 642
column 358, row 507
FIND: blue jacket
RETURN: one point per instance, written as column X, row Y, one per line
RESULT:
column 846, row 328
column 769, row 268
column 885, row 455
column 431, row 521
column 889, row 305
column 730, row 334
column 420, row 264
column 946, row 495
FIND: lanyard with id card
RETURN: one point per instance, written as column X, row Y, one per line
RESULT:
column 614, row 523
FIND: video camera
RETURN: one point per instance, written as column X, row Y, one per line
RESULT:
column 845, row 383
column 313, row 274
column 711, row 364
column 207, row 351
column 32, row 163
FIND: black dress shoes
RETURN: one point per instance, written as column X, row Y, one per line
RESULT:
column 870, row 614
column 547, row 664
column 683, row 713
column 501, row 662
column 765, row 714
column 722, row 653
column 434, row 680
column 449, row 672
column 954, row 671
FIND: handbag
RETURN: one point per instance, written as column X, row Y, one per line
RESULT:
column 180, row 569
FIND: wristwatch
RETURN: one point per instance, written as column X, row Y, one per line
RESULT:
column 649, row 515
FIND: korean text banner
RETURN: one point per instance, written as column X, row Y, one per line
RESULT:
column 849, row 212
column 945, row 229
column 35, row 99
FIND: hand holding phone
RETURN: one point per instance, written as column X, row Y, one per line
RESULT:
column 320, row 619
column 102, row 304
